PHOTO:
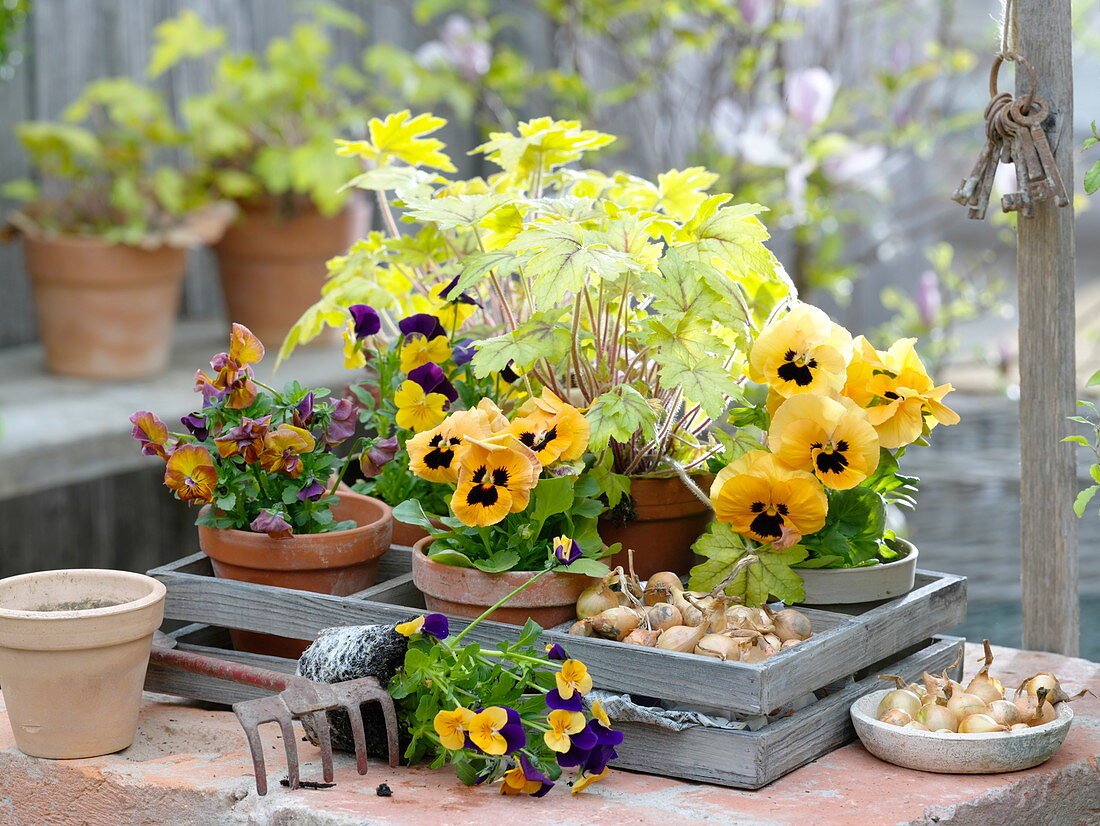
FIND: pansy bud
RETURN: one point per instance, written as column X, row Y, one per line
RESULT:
column 311, row 492
column 377, row 456
column 272, row 524
column 342, row 424
column 196, row 424
column 566, row 550
column 303, row 411
column 508, row 374
column 463, row 352
column 366, row 320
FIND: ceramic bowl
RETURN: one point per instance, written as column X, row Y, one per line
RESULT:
column 1006, row 751
column 845, row 586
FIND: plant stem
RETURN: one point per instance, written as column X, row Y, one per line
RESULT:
column 492, row 608
column 344, row 466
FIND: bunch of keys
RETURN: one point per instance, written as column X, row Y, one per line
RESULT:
column 1014, row 134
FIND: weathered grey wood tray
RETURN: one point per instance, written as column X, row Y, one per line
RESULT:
column 844, row 640
column 741, row 759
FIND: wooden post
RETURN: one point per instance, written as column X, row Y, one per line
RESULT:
column 1045, row 274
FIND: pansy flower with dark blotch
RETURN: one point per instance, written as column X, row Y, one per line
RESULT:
column 554, row 429
column 190, row 472
column 831, row 439
column 245, row 440
column 766, row 501
column 801, row 352
column 508, row 373
column 433, row 454
column 495, row 478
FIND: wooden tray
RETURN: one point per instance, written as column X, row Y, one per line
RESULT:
column 741, row 759
column 846, row 639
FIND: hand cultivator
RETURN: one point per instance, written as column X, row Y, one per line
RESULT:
column 298, row 698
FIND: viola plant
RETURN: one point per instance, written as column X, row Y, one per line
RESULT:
column 820, row 457
column 515, row 488
column 512, row 715
column 260, row 457
column 419, row 376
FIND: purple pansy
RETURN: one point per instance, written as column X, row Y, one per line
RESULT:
column 196, row 424
column 377, row 456
column 461, row 297
column 437, row 626
column 303, row 411
column 556, row 652
column 342, row 424
column 433, row 380
column 366, row 319
column 311, row 492
column 424, row 323
column 555, row 701
column 605, row 736
column 533, row 774
column 513, row 732
column 463, row 352
column 567, row 550
column 272, row 524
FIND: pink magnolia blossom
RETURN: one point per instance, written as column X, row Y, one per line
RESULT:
column 809, row 94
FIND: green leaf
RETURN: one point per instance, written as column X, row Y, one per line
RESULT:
column 543, row 335
column 182, row 36
column 453, row 211
column 226, row 503
column 529, row 634
column 705, row 381
column 551, row 497
column 1094, row 472
column 1092, row 178
column 411, row 512
column 621, row 413
column 497, row 563
column 567, row 258
column 1083, row 499
column 732, row 235
column 769, row 576
column 457, row 559
column 589, row 567
column 613, row 486
column 1081, row 440
column 1094, row 379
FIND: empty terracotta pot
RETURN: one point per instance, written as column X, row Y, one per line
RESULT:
column 468, row 592
column 104, row 311
column 668, row 519
column 74, row 645
column 272, row 261
column 338, row 563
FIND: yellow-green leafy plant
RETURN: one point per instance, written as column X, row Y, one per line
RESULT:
column 634, row 300
column 106, row 170
column 265, row 125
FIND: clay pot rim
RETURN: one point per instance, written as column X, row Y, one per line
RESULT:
column 157, row 593
column 387, row 513
column 87, row 241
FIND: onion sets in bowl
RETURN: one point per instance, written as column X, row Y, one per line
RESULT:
column 939, row 704
column 661, row 614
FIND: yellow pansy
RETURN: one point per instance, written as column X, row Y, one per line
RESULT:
column 417, row 410
column 802, row 352
column 495, row 478
column 452, row 726
column 573, row 676
column 562, row 724
column 586, row 780
column 354, row 357
column 831, row 439
column 433, row 453
column 768, row 502
column 419, row 350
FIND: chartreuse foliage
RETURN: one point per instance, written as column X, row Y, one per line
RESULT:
column 637, row 300
column 106, row 172
column 265, row 126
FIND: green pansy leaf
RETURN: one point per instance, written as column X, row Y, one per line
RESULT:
column 455, row 558
column 551, row 497
column 589, row 567
column 411, row 512
column 497, row 563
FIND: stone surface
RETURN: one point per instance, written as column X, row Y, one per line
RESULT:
column 190, row 766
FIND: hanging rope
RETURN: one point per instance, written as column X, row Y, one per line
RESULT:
column 1009, row 31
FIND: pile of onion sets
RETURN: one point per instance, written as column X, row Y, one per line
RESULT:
column 944, row 706
column 660, row 613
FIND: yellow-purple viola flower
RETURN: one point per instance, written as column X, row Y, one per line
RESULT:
column 233, row 379
column 525, row 779
column 435, row 625
column 586, row 779
column 417, row 410
column 497, row 730
column 567, row 728
column 245, row 440
column 554, row 651
column 151, row 432
column 190, row 473
column 566, row 550
column 283, row 446
column 418, row 351
column 573, row 677
column 453, row 727
column 196, row 425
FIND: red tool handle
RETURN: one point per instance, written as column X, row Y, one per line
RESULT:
column 222, row 669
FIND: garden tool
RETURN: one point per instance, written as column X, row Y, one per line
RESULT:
column 297, row 697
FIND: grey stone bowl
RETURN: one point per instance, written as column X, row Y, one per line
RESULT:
column 991, row 753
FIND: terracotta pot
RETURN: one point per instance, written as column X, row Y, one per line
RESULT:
column 406, row 534
column 669, row 518
column 468, row 592
column 105, row 311
column 273, row 266
column 338, row 563
column 72, row 672
column 845, row 586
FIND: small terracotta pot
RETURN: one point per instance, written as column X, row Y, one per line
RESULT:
column 105, row 311
column 72, row 673
column 669, row 518
column 406, row 534
column 845, row 586
column 338, row 563
column 468, row 592
column 273, row 265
